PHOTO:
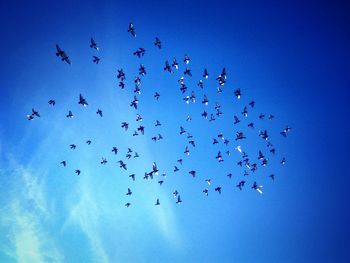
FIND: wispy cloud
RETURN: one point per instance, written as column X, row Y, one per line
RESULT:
column 85, row 214
column 24, row 218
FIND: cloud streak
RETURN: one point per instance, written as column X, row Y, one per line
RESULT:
column 24, row 219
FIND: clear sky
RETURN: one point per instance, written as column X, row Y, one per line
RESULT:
column 291, row 57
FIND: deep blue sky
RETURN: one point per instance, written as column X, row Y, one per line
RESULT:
column 291, row 57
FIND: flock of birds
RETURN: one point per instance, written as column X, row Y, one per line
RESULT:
column 246, row 162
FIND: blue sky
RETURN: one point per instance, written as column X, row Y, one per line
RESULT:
column 292, row 58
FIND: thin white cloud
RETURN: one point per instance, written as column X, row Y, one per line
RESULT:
column 85, row 214
column 24, row 219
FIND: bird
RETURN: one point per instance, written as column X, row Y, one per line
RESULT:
column 95, row 59
column 154, row 168
column 258, row 188
column 237, row 93
column 218, row 189
column 175, row 64
column 219, row 157
column 141, row 129
column 70, row 114
column 129, row 192
column 52, row 102
column 240, row 185
column 35, row 113
column 115, row 150
column 205, row 100
column 236, row 120
column 157, row 202
column 93, row 44
column 122, row 165
column 62, row 54
column 179, row 201
column 193, row 173
column 132, row 176
column 77, row 172
column 182, row 130
column 99, row 112
column 156, row 95
column 82, row 101
column 121, row 74
column 131, row 29
column 158, row 43
column 245, row 112
column 138, row 117
column 167, row 67
column 125, row 126
column 187, row 59
column 64, row 163
column 205, row 74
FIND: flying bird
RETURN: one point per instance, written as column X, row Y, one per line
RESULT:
column 193, row 173
column 179, row 201
column 167, row 67
column 122, row 165
column 62, row 54
column 95, row 59
column 125, row 126
column 82, row 101
column 187, row 59
column 131, row 29
column 175, row 64
column 132, row 176
column 240, row 185
column 99, row 112
column 115, row 150
column 70, row 114
column 93, row 44
column 158, row 43
column 238, row 93
column 258, row 188
column 156, row 95
column 218, row 189
column 205, row 74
